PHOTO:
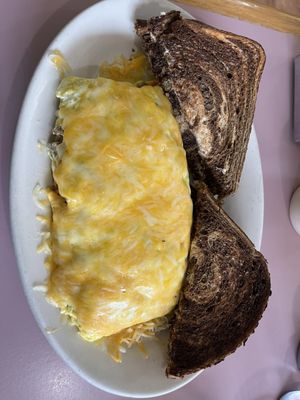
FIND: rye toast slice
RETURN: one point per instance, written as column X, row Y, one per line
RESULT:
column 224, row 294
column 211, row 78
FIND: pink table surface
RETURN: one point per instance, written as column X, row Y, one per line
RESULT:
column 266, row 366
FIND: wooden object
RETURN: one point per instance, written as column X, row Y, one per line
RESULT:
column 282, row 15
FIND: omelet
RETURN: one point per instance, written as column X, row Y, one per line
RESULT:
column 121, row 207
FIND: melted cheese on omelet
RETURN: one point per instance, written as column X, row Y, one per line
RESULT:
column 121, row 222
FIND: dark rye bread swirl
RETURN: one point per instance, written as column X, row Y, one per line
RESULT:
column 211, row 78
column 225, row 291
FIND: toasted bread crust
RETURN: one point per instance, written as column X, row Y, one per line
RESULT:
column 211, row 78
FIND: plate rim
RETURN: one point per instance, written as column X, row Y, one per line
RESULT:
column 13, row 199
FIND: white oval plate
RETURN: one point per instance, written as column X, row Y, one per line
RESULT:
column 100, row 33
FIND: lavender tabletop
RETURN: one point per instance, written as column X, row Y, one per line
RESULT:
column 266, row 366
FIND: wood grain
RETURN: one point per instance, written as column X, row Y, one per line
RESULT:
column 289, row 6
column 282, row 15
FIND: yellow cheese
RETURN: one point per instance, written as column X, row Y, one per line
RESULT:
column 60, row 63
column 136, row 69
column 120, row 239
